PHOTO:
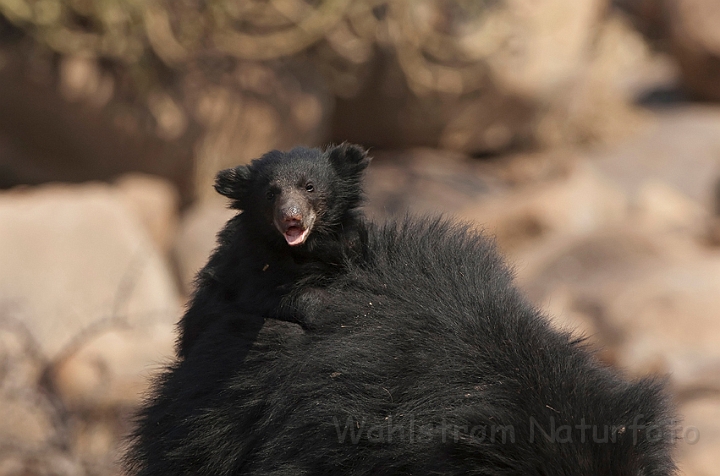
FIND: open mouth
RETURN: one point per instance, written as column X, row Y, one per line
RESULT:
column 295, row 227
column 296, row 234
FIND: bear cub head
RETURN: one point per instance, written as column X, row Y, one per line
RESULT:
column 294, row 197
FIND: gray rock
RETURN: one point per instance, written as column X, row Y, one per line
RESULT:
column 197, row 237
column 114, row 367
column 699, row 447
column 680, row 148
column 155, row 201
column 649, row 299
column 81, row 276
column 27, row 421
column 580, row 202
column 50, row 462
column 20, row 360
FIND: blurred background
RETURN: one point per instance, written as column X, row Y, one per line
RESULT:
column 583, row 135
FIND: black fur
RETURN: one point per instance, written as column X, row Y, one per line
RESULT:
column 253, row 267
column 427, row 354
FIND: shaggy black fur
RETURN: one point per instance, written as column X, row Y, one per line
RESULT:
column 420, row 359
column 300, row 217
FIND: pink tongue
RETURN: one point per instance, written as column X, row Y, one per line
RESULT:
column 295, row 235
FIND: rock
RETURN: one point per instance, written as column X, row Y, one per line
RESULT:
column 679, row 149
column 27, row 421
column 572, row 278
column 50, row 462
column 584, row 263
column 155, row 201
column 694, row 36
column 197, row 237
column 114, row 366
column 11, row 465
column 712, row 226
column 32, row 425
column 648, row 298
column 520, row 200
column 647, row 16
column 99, row 442
column 549, row 40
column 699, row 432
column 713, row 230
column 96, row 440
column 670, row 323
column 598, row 105
column 83, row 278
column 663, row 208
column 22, row 364
column 580, row 203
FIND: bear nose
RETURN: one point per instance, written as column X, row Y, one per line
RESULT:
column 292, row 213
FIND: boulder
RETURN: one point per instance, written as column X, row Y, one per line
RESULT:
column 115, row 366
column 699, row 431
column 679, row 148
column 27, row 421
column 669, row 319
column 98, row 440
column 50, row 462
column 661, row 207
column 648, row 298
column 527, row 199
column 81, row 276
column 577, row 203
column 694, row 36
column 22, row 364
column 155, row 201
column 197, row 237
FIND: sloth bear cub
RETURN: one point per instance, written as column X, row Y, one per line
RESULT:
column 299, row 219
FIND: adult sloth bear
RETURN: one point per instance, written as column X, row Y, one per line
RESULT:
column 420, row 358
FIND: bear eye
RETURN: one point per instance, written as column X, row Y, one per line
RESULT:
column 310, row 187
column 269, row 195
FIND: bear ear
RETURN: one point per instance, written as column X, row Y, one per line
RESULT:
column 233, row 183
column 349, row 159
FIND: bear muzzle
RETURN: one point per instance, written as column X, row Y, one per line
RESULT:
column 294, row 224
